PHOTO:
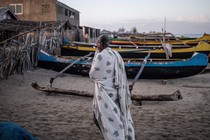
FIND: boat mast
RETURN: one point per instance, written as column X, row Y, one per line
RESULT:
column 164, row 30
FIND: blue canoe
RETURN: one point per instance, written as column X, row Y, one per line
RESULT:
column 167, row 69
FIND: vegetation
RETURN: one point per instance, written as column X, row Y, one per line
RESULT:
column 134, row 30
column 122, row 29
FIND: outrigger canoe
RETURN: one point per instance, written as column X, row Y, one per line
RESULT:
column 205, row 37
column 146, row 39
column 152, row 69
column 81, row 49
column 157, row 39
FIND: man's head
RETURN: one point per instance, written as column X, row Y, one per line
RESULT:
column 102, row 42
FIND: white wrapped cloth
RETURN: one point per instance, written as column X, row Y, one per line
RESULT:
column 111, row 103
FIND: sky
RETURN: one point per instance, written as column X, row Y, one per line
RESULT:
column 176, row 16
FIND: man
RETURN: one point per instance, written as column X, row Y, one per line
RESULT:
column 111, row 103
column 86, row 37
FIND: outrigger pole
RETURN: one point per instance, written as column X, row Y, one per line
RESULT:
column 140, row 71
column 77, row 60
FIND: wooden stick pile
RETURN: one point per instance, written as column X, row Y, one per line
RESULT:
column 20, row 52
column 17, row 57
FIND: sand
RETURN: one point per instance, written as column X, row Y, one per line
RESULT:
column 67, row 117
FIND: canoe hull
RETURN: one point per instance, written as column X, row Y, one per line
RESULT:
column 177, row 55
column 128, row 53
column 148, row 72
column 152, row 70
column 165, row 72
column 77, row 69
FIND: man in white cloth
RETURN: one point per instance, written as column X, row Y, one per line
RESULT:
column 111, row 103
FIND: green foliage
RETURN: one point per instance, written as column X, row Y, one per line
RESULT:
column 122, row 29
column 134, row 30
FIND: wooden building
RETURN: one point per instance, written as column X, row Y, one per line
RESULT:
column 42, row 10
column 53, row 11
column 89, row 34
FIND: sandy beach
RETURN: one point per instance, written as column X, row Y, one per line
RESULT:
column 67, row 117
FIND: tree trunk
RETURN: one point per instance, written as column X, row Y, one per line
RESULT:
column 162, row 97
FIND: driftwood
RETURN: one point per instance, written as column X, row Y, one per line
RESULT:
column 189, row 86
column 161, row 97
column 171, row 97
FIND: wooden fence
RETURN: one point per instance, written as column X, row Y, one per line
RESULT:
column 19, row 53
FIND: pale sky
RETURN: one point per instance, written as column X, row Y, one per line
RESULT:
column 182, row 16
